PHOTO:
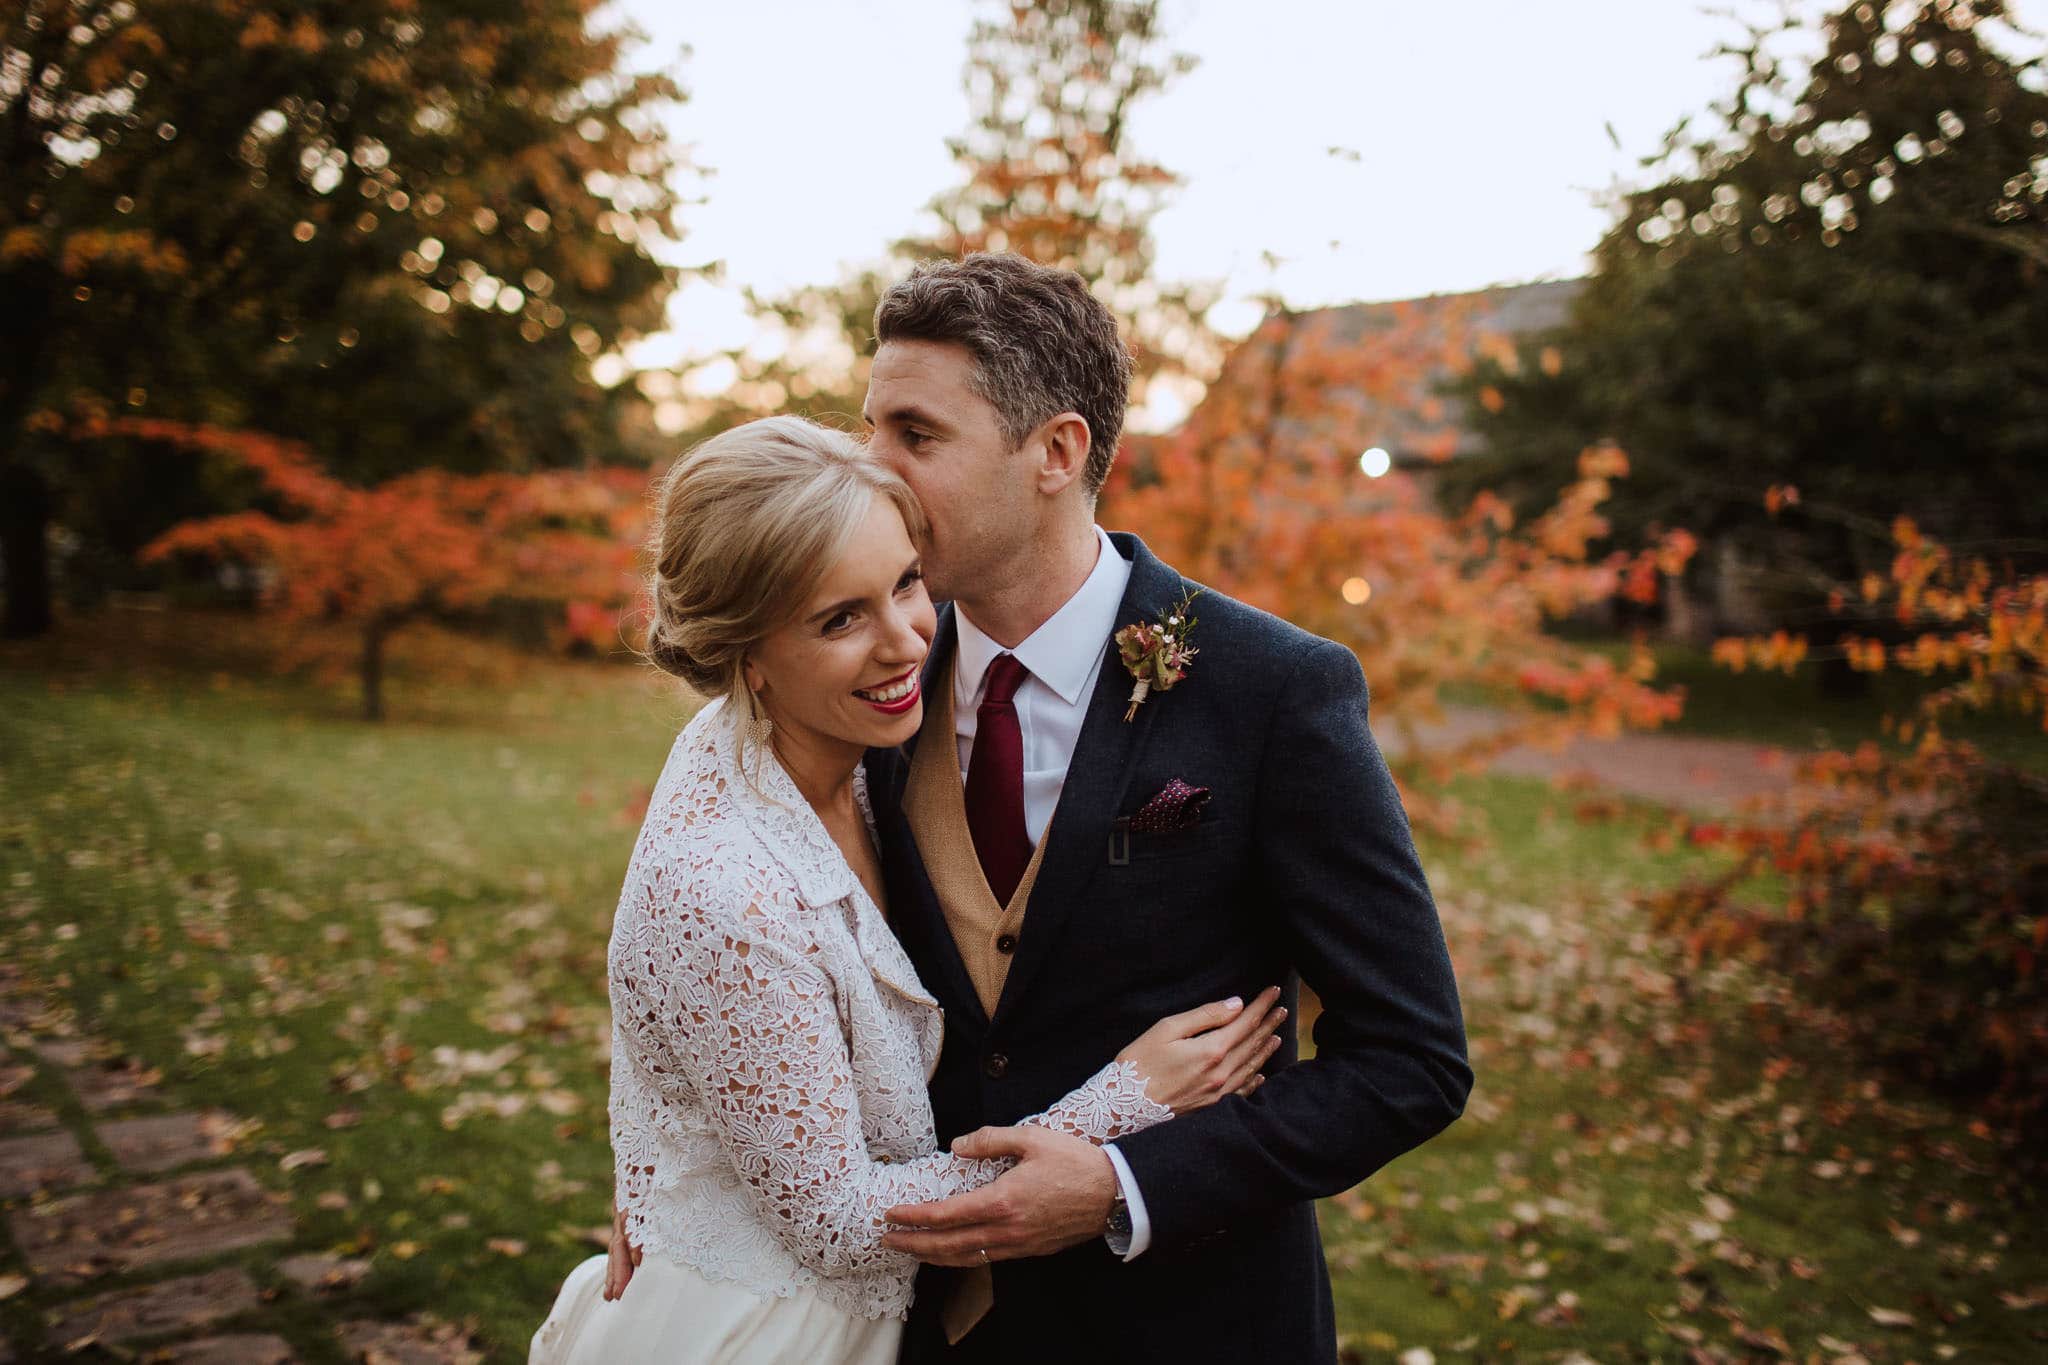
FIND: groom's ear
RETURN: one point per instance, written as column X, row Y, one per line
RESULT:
column 1064, row 441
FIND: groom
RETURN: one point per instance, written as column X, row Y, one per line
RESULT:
column 1064, row 873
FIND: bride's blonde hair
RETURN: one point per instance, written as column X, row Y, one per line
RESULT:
column 746, row 525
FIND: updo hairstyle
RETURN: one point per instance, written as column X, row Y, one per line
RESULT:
column 746, row 525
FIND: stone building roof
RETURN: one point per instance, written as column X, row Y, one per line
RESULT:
column 1418, row 427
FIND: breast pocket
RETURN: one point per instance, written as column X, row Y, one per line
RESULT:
column 1127, row 845
column 1160, row 891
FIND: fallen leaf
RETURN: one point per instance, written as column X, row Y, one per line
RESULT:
column 507, row 1246
column 1891, row 1317
column 1763, row 1339
column 305, row 1156
column 10, row 1285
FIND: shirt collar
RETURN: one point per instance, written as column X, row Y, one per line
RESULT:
column 1063, row 652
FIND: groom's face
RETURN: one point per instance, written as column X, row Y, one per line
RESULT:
column 930, row 426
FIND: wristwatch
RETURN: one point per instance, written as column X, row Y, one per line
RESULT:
column 1117, row 1227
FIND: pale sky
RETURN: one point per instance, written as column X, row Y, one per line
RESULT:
column 1481, row 127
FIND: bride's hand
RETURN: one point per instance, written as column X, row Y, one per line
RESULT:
column 1191, row 1060
column 620, row 1258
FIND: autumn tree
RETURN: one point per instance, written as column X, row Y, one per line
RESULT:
column 1051, row 173
column 1048, row 170
column 399, row 232
column 428, row 544
column 1835, row 278
column 1262, row 494
column 1904, row 879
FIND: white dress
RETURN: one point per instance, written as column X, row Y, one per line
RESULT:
column 770, row 1048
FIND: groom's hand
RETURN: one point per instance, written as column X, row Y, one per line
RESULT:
column 1058, row 1195
column 619, row 1258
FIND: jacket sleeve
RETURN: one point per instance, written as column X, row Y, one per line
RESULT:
column 728, row 1014
column 1336, row 864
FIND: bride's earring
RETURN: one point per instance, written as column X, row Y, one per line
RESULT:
column 759, row 727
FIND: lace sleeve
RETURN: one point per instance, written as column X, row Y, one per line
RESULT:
column 1112, row 1104
column 726, row 1008
column 733, row 1009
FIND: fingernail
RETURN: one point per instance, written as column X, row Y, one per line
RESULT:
column 1283, row 1011
column 1234, row 1003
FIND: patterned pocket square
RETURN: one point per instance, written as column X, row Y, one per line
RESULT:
column 1178, row 806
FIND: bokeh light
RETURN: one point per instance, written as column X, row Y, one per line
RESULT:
column 1375, row 462
column 1357, row 591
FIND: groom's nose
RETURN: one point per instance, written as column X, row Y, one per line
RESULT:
column 888, row 451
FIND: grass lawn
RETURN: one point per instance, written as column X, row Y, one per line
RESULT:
column 385, row 945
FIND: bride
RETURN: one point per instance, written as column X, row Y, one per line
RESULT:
column 771, row 1041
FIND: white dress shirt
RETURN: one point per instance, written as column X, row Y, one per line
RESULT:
column 1064, row 658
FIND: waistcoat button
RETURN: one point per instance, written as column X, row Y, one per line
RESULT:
column 996, row 1066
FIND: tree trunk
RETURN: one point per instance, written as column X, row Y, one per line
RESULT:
column 25, row 545
column 374, row 634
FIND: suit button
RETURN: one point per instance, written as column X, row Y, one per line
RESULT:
column 996, row 1066
column 1007, row 943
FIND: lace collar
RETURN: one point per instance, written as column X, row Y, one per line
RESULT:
column 767, row 797
column 792, row 834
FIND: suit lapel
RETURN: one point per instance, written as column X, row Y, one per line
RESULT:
column 1077, row 843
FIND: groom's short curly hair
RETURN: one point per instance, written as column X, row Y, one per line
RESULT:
column 1042, row 344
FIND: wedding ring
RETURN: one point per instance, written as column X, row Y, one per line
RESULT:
column 984, row 1256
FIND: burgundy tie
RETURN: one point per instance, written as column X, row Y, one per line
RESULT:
column 995, row 781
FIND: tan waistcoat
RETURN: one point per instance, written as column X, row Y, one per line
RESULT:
column 935, row 804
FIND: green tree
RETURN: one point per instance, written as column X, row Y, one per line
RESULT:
column 398, row 231
column 1837, row 282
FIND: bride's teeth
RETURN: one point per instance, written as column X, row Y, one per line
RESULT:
column 886, row 695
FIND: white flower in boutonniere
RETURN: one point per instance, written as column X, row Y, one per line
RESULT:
column 1157, row 655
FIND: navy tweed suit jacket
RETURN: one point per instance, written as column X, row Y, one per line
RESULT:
column 1300, row 870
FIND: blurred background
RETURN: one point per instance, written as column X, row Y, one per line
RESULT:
column 1655, row 398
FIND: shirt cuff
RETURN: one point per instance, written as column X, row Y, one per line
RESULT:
column 1134, row 1204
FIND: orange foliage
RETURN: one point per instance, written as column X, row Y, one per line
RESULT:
column 1913, row 881
column 1984, row 626
column 1261, row 494
column 425, row 543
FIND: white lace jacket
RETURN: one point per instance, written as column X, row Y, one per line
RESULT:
column 771, row 1043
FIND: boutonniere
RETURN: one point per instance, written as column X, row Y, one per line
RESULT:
column 1157, row 655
